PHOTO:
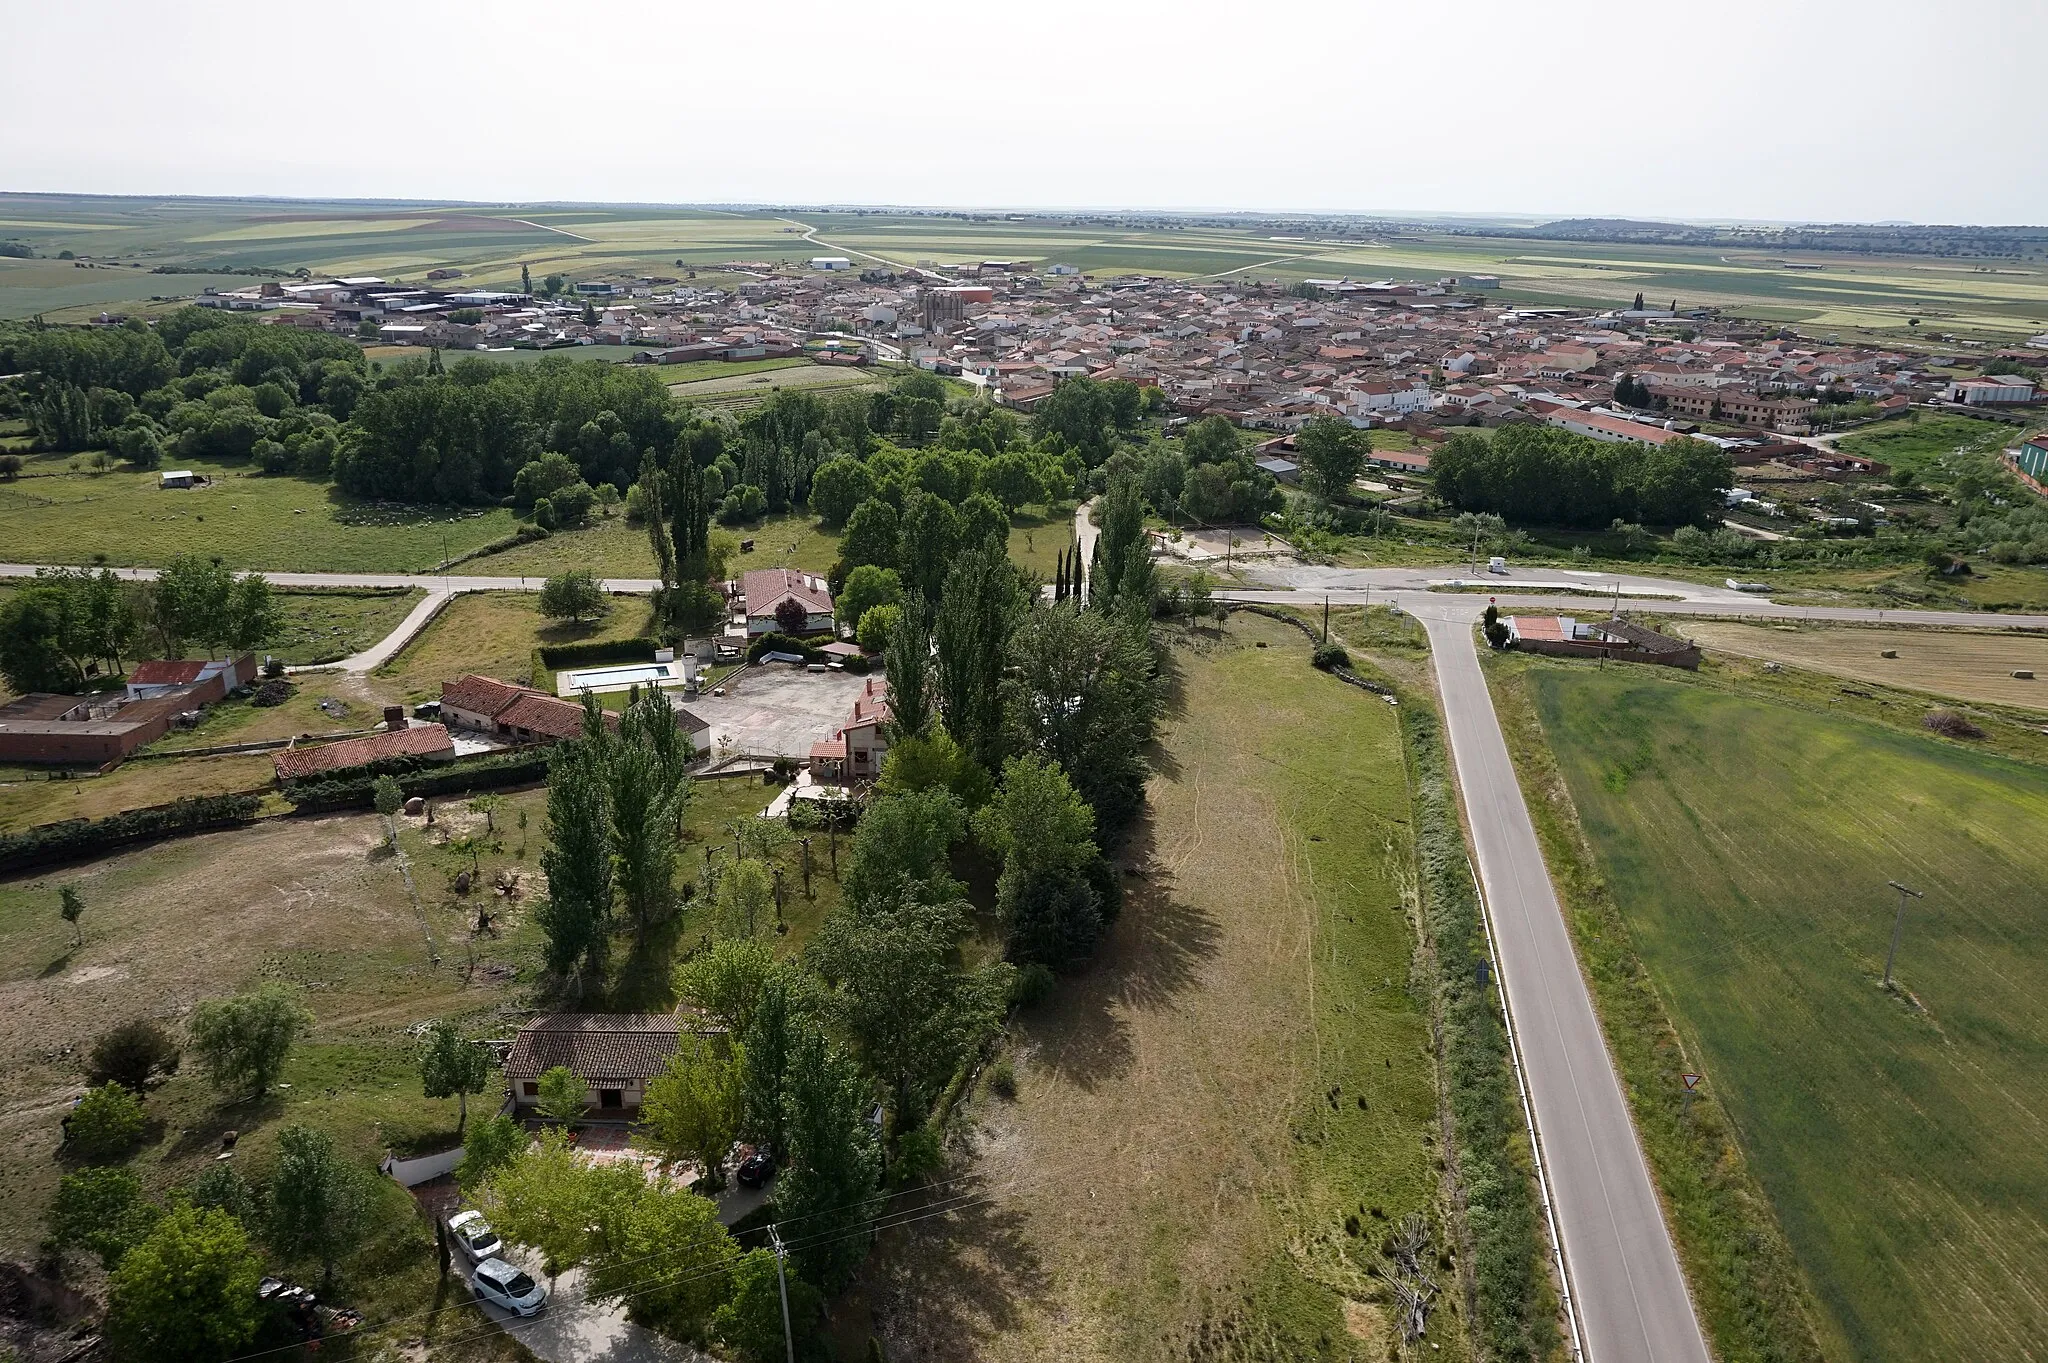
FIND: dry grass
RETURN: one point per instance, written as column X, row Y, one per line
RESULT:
column 27, row 797
column 496, row 633
column 1963, row 664
column 1174, row 1178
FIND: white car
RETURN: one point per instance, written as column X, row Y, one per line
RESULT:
column 475, row 1236
column 508, row 1286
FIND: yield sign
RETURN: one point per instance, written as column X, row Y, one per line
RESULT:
column 1692, row 1081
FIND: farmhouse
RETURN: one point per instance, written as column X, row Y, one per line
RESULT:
column 430, row 741
column 489, row 706
column 160, row 676
column 856, row 751
column 614, row 1054
column 1612, row 638
column 764, row 590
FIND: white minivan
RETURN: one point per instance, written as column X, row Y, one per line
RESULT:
column 508, row 1286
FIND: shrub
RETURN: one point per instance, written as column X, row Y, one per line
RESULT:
column 1330, row 657
column 920, row 1156
column 1032, row 986
column 1002, row 1080
column 132, row 1054
column 106, row 1122
column 1949, row 724
column 49, row 843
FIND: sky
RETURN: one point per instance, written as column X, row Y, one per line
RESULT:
column 1780, row 111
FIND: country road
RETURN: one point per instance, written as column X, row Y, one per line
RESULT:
column 1623, row 1270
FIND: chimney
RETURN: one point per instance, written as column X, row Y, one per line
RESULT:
column 394, row 717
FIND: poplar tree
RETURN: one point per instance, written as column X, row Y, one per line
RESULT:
column 908, row 659
column 976, row 614
column 576, row 918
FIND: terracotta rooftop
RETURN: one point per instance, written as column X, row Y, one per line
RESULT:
column 481, row 695
column 595, row 1045
column 421, row 740
column 166, row 672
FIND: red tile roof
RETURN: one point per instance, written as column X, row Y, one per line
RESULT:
column 481, row 695
column 539, row 714
column 166, row 672
column 421, row 740
column 595, row 1045
column 767, row 588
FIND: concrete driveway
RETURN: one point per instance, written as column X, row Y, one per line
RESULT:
column 571, row 1329
column 776, row 709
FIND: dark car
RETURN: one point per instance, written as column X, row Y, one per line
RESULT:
column 756, row 1169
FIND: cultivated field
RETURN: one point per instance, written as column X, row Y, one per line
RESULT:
column 746, row 389
column 1747, row 845
column 1849, row 294
column 1965, row 664
column 1218, row 1121
column 249, row 520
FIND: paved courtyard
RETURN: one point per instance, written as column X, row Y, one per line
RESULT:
column 776, row 710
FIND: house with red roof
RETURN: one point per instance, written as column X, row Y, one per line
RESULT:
column 430, row 741
column 765, row 589
column 858, row 747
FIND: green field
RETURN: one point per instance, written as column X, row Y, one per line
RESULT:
column 251, row 521
column 1898, row 1137
column 1853, row 295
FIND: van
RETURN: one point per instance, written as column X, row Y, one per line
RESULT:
column 1497, row 564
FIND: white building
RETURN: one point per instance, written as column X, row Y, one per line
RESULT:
column 1996, row 388
column 831, row 263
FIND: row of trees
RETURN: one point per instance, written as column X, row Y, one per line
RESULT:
column 1542, row 475
column 68, row 623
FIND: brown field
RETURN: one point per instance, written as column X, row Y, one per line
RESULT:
column 1174, row 1175
column 1967, row 665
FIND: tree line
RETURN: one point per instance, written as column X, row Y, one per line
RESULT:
column 1542, row 475
column 67, row 625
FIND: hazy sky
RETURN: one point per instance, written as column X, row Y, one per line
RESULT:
column 1780, row 110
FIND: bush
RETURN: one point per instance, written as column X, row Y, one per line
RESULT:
column 743, row 503
column 1330, row 657
column 1002, row 1079
column 634, row 650
column 106, row 1122
column 920, row 1156
column 1949, row 724
column 417, row 777
column 1032, row 986
column 132, row 1054
column 775, row 642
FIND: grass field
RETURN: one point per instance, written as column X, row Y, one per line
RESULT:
column 1963, row 664
column 28, row 797
column 1745, row 846
column 322, row 626
column 496, row 634
column 1240, row 1080
column 250, row 521
column 1854, row 296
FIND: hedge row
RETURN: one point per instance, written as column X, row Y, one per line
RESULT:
column 637, row 650
column 1517, row 1317
column 772, row 642
column 55, row 842
column 519, row 768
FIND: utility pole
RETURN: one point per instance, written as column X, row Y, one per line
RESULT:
column 1898, row 926
column 782, row 1285
column 1326, row 619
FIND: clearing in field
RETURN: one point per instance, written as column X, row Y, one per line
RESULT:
column 1965, row 664
column 1898, row 1136
column 1219, row 1120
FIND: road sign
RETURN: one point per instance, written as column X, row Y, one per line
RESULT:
column 1692, row 1081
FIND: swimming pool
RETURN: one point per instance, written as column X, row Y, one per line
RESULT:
column 618, row 678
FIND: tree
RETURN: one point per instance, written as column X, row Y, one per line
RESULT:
column 928, row 542
column 572, row 595
column 525, row 278
column 451, row 1067
column 319, row 1203
column 101, row 1210
column 745, row 891
column 197, row 599
column 695, row 608
column 899, row 992
column 1045, row 834
column 726, row 981
column 107, row 1121
column 1332, row 453
column 1212, row 440
column 834, row 1161
column 839, row 487
column 865, row 588
column 540, row 1199
column 773, row 1024
column 750, row 1322
column 1122, row 570
column 659, row 1247
column 563, row 1095
column 187, row 1293
column 494, row 1142
column 646, row 789
column 487, row 805
column 388, row 797
column 131, row 1054
column 902, row 844
column 242, row 1042
column 692, row 1109
column 872, row 535
column 1083, row 692
column 980, row 606
column 220, row 1187
column 791, row 615
column 32, row 654
column 913, row 691
column 1014, row 479
column 875, row 628
column 71, row 908
column 544, row 477
column 576, row 916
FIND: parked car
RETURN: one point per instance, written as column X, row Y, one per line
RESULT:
column 756, row 1169
column 474, row 1236
column 508, row 1286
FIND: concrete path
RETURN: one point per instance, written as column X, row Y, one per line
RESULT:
column 572, row 1329
column 381, row 652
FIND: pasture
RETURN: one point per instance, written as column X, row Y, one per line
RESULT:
column 1853, row 295
column 250, row 520
column 1745, row 847
column 1218, row 1120
column 1966, row 665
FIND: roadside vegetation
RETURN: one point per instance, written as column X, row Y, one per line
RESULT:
column 1722, row 843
